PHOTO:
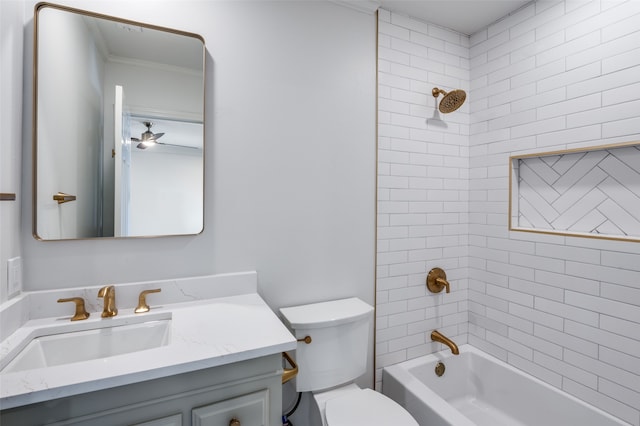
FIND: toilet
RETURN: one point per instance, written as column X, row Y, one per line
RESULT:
column 335, row 357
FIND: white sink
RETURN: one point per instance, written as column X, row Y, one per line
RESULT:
column 65, row 348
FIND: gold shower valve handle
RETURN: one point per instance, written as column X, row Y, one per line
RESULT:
column 234, row 422
column 81, row 313
column 442, row 282
column 437, row 280
column 142, row 301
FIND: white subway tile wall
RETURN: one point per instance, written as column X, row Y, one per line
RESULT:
column 552, row 76
column 423, row 188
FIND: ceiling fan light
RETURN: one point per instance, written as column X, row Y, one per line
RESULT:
column 145, row 144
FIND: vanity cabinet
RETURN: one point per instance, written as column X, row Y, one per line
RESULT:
column 248, row 391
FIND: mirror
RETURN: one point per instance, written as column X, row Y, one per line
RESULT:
column 118, row 127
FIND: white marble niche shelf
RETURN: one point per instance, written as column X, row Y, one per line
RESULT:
column 587, row 192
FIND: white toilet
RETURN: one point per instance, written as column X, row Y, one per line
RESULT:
column 336, row 356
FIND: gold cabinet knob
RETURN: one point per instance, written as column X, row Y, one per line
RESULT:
column 234, row 422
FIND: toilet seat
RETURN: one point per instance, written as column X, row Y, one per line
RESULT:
column 366, row 407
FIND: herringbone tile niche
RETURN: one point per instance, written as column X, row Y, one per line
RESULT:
column 590, row 193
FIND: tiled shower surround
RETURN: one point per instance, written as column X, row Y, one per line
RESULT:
column 551, row 76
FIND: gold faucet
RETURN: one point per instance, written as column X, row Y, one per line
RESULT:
column 109, row 294
column 436, row 336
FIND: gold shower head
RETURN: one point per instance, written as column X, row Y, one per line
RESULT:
column 451, row 101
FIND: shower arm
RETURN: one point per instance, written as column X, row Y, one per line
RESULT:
column 436, row 92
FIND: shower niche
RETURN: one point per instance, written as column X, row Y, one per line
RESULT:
column 587, row 192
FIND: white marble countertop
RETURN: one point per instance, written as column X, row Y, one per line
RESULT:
column 205, row 333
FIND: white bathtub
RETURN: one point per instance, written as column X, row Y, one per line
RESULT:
column 480, row 390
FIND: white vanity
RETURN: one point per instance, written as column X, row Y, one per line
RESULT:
column 209, row 352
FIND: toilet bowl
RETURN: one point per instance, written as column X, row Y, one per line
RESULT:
column 335, row 357
column 352, row 406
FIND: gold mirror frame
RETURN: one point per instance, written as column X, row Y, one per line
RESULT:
column 59, row 199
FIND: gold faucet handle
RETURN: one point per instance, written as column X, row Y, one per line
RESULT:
column 81, row 313
column 142, row 301
column 443, row 283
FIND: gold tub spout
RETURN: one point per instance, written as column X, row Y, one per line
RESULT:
column 436, row 336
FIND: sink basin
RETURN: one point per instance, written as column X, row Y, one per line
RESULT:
column 65, row 348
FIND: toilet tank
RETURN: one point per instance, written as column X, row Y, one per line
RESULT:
column 339, row 331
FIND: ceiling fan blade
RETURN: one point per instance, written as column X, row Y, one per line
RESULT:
column 157, row 136
column 141, row 145
column 178, row 146
column 135, row 140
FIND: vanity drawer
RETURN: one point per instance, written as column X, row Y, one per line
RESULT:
column 249, row 410
column 175, row 420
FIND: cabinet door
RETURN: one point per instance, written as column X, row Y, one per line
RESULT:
column 249, row 410
column 175, row 420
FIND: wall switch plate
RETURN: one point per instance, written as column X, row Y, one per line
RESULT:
column 14, row 276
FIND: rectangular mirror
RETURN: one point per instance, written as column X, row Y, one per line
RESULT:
column 118, row 127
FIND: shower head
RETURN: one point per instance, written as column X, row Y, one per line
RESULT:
column 451, row 101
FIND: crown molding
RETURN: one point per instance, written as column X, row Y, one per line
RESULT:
column 366, row 6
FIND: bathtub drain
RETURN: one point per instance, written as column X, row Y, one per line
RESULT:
column 440, row 369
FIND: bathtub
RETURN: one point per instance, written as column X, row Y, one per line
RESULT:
column 477, row 389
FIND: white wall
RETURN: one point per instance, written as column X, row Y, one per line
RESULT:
column 166, row 191
column 11, row 49
column 290, row 158
column 289, row 167
column 554, row 75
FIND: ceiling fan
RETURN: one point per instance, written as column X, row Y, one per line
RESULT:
column 147, row 138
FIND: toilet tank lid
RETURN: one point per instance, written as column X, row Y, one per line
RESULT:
column 326, row 314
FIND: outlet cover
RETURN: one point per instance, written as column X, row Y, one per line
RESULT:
column 14, row 276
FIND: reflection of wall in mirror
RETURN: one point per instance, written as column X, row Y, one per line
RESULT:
column 71, row 81
column 166, row 191
column 159, row 90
